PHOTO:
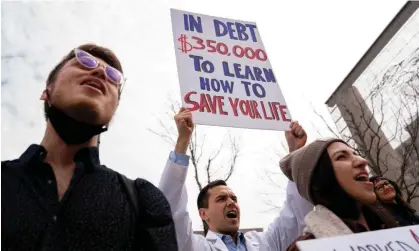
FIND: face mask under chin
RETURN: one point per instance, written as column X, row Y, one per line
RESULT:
column 71, row 131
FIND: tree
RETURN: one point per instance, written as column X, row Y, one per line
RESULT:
column 202, row 158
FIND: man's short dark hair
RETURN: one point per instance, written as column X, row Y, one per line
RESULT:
column 98, row 51
column 203, row 195
column 203, row 198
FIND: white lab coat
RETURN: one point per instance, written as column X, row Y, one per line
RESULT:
column 279, row 235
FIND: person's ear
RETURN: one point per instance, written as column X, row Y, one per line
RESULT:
column 203, row 214
column 44, row 95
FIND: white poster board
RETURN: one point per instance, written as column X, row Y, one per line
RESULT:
column 394, row 239
column 225, row 75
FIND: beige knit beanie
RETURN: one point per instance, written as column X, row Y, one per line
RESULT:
column 298, row 166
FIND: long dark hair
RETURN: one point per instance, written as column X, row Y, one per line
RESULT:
column 325, row 190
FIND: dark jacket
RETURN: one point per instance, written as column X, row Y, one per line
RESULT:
column 95, row 212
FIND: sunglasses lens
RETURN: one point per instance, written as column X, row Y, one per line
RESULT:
column 89, row 61
column 86, row 60
column 113, row 74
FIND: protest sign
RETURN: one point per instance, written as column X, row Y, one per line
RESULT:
column 225, row 75
column 394, row 239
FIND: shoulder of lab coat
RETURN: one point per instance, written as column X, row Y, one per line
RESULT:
column 288, row 225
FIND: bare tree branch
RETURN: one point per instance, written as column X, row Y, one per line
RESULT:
column 235, row 150
column 327, row 124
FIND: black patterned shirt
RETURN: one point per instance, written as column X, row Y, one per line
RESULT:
column 93, row 214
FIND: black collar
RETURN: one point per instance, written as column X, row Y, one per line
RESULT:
column 87, row 155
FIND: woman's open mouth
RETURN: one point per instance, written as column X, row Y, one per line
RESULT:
column 363, row 178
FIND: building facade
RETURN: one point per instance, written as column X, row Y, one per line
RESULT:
column 375, row 108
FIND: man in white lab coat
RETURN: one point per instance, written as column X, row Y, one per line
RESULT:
column 218, row 206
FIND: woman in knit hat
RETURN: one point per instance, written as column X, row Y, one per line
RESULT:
column 390, row 196
column 329, row 174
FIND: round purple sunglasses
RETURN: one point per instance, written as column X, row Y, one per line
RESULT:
column 91, row 62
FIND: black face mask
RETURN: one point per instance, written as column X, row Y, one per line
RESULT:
column 71, row 131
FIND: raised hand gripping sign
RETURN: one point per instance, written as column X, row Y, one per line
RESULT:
column 225, row 75
column 394, row 239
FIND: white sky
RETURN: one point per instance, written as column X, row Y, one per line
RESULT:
column 312, row 45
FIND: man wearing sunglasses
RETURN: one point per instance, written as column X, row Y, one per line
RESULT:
column 57, row 195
